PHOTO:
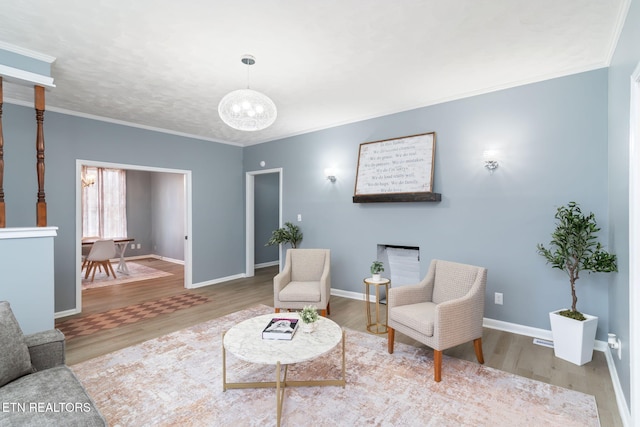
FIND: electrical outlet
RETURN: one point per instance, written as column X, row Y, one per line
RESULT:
column 498, row 298
column 138, row 246
column 133, row 246
column 299, row 217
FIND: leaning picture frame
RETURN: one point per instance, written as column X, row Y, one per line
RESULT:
column 396, row 170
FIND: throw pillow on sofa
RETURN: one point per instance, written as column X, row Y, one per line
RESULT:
column 15, row 360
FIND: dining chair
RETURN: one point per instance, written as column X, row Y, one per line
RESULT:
column 100, row 255
column 85, row 251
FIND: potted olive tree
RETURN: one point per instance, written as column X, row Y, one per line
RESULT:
column 573, row 249
column 288, row 234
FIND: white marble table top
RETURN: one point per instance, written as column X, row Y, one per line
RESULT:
column 244, row 340
column 382, row 281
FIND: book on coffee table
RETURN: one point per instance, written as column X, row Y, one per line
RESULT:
column 280, row 328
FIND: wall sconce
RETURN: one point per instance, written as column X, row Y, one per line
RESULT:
column 615, row 344
column 490, row 161
column 491, row 165
column 330, row 173
column 88, row 181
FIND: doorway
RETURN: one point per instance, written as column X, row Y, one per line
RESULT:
column 185, row 206
column 250, row 217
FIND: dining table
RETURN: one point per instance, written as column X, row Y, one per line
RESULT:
column 121, row 245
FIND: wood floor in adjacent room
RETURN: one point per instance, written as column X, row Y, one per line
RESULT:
column 502, row 350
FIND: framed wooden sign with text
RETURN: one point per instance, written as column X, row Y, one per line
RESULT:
column 396, row 170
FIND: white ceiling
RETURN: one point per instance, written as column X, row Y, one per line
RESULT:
column 166, row 64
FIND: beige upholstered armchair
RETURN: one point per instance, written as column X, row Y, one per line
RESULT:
column 305, row 280
column 444, row 310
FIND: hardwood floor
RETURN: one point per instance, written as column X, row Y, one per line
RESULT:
column 502, row 350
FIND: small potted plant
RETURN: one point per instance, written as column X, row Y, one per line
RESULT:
column 376, row 269
column 309, row 316
column 288, row 234
column 573, row 249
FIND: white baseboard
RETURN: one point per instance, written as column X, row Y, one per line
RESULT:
column 134, row 257
column 266, row 264
column 515, row 328
column 623, row 409
column 217, row 281
column 350, row 295
column 175, row 261
column 65, row 313
column 528, row 331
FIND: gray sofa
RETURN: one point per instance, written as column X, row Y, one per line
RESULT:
column 36, row 387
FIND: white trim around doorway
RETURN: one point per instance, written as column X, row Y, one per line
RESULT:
column 250, row 217
column 634, row 243
column 187, row 226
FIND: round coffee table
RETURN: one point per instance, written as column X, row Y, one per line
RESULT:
column 244, row 341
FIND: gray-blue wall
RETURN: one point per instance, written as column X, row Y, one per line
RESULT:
column 551, row 139
column 155, row 213
column 623, row 63
column 167, row 217
column 218, row 204
column 266, row 208
column 139, row 211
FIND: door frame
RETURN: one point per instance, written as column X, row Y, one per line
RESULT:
column 250, row 266
column 187, row 215
column 634, row 241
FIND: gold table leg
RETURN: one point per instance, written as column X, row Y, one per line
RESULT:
column 368, row 307
column 281, row 384
column 377, row 309
column 376, row 327
column 224, row 364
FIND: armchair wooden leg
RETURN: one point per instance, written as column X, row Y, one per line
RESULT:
column 328, row 309
column 277, row 310
column 391, row 335
column 323, row 313
column 437, row 365
column 477, row 345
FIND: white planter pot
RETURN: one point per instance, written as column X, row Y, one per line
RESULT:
column 308, row 327
column 375, row 277
column 573, row 340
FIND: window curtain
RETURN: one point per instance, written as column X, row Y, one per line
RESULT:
column 104, row 203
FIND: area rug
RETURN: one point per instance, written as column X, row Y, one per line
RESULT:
column 92, row 323
column 177, row 380
column 137, row 272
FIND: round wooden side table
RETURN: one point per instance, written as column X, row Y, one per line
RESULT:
column 377, row 326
